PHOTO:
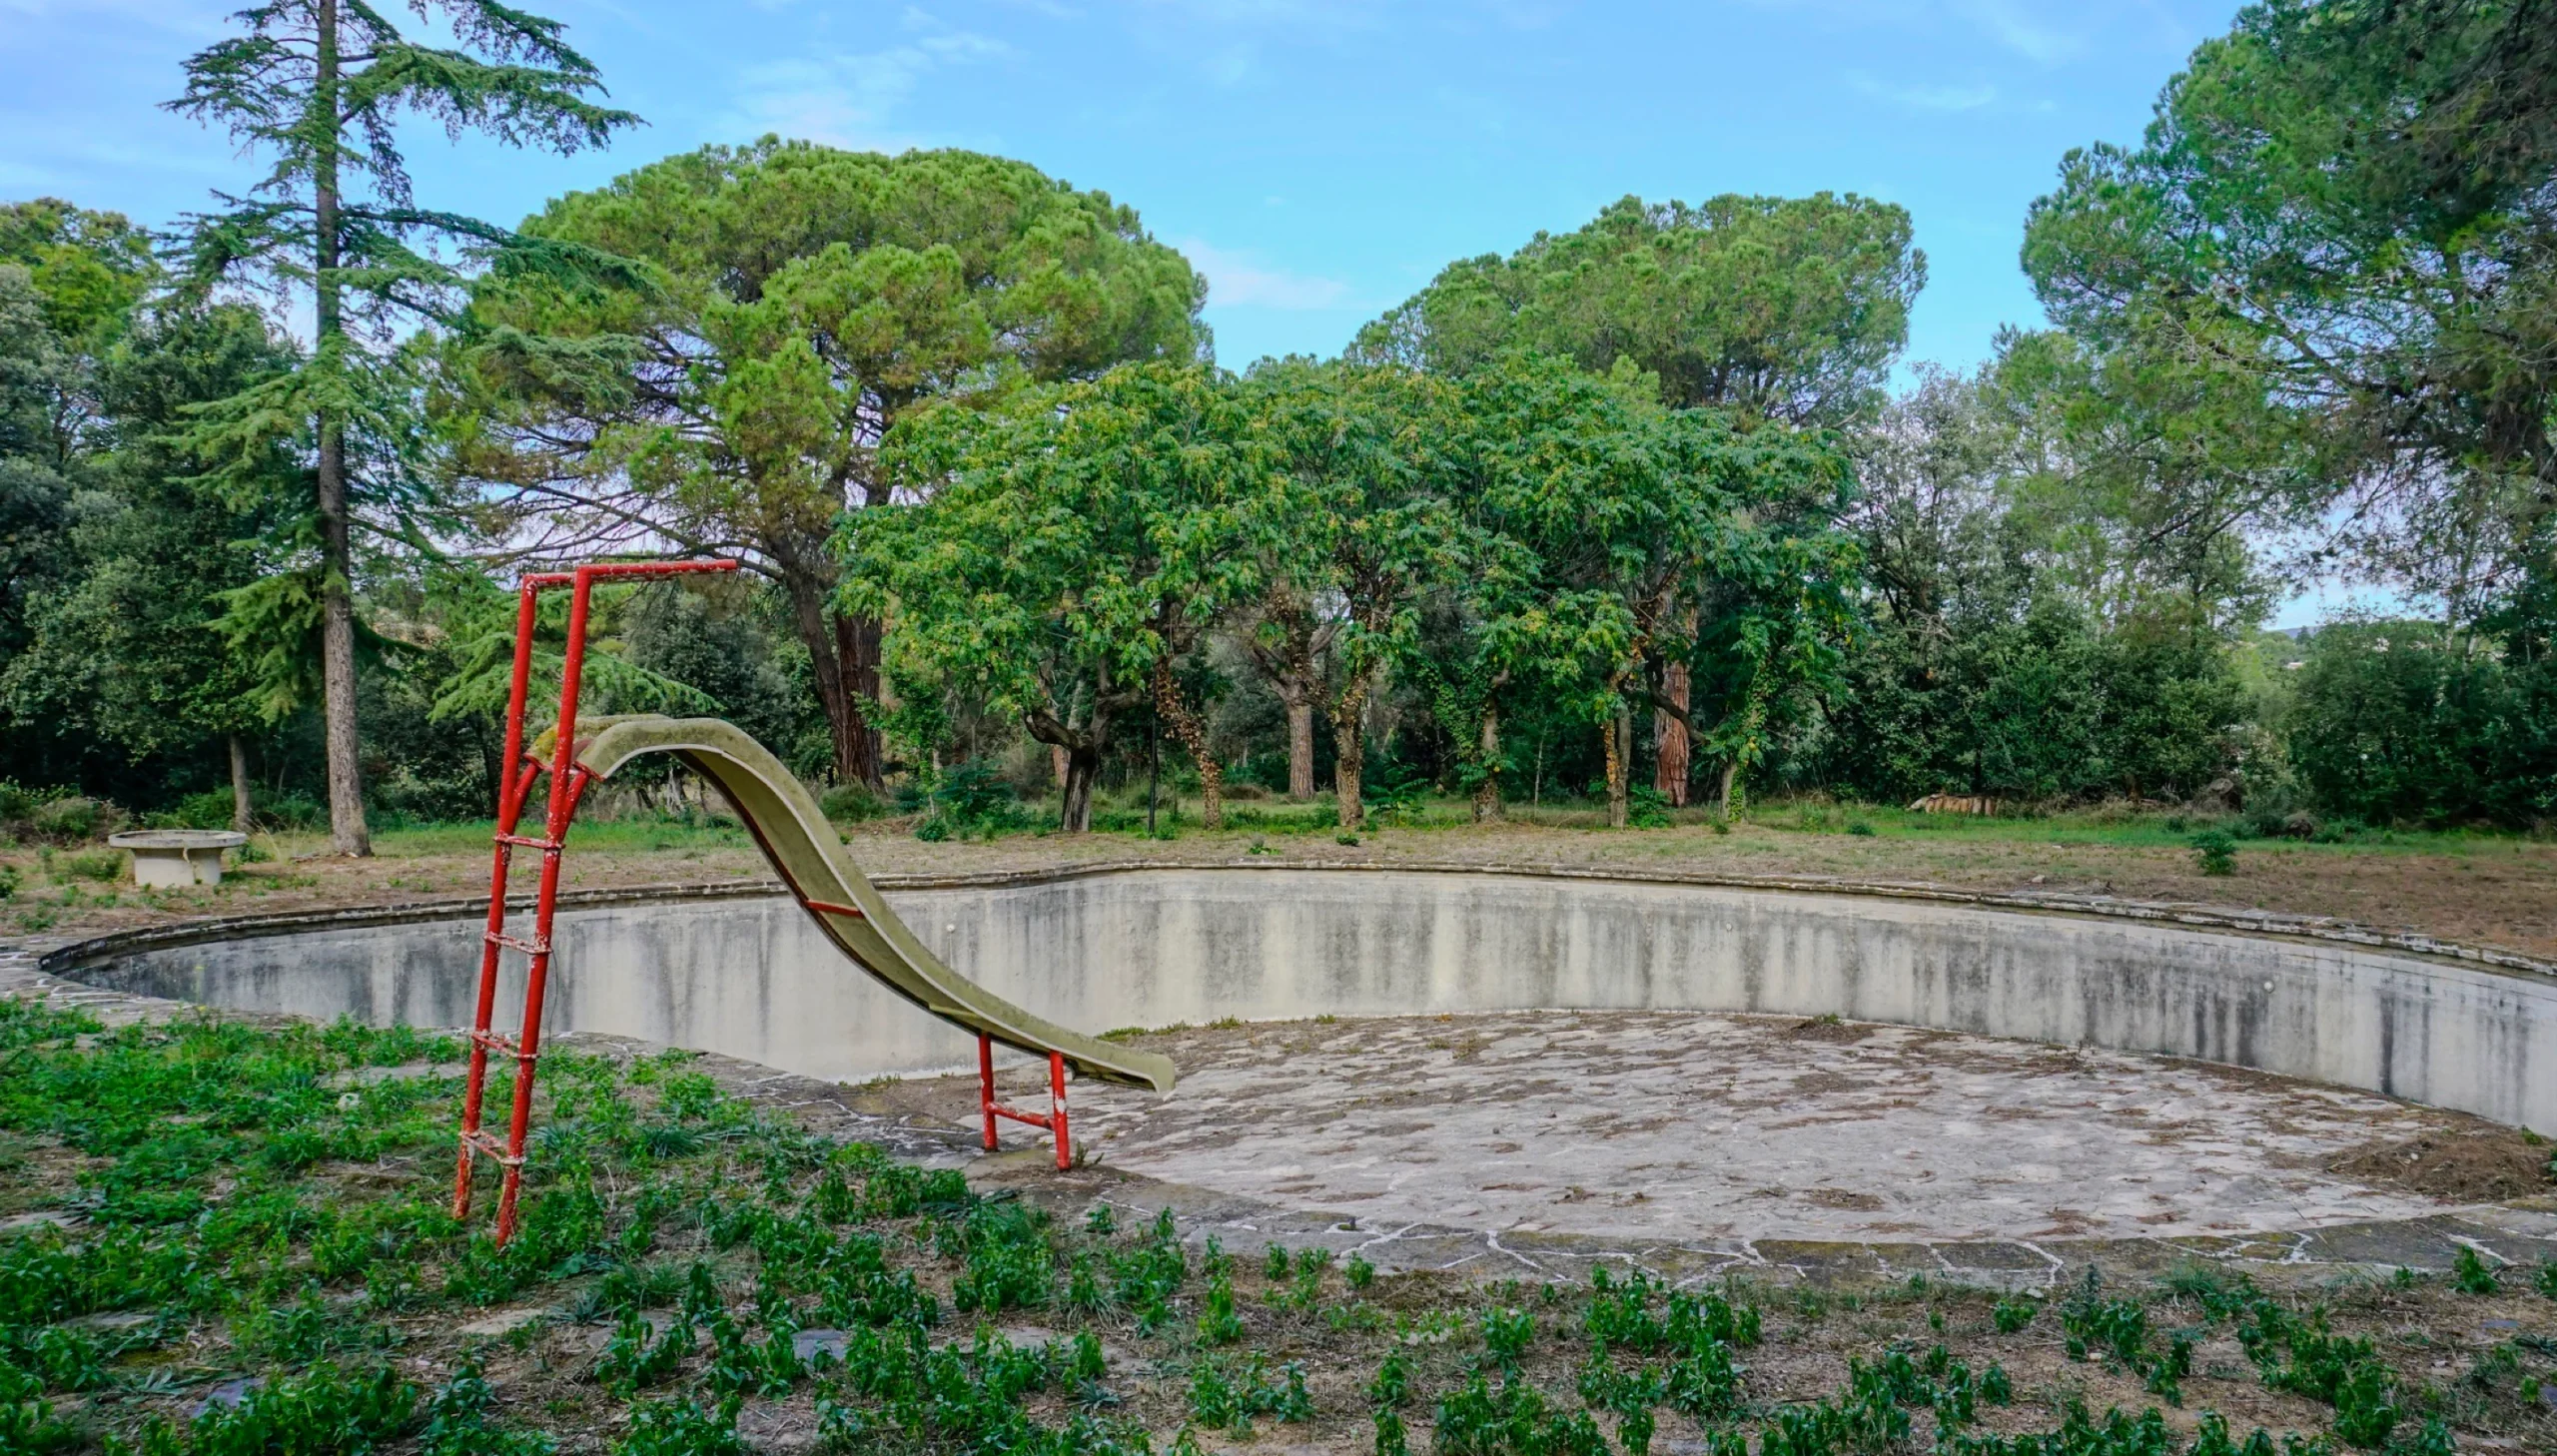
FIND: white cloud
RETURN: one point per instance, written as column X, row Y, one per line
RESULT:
column 1926, row 97
column 2039, row 31
column 850, row 99
column 1237, row 279
column 2008, row 23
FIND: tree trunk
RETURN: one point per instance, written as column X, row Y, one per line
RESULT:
column 1487, row 792
column 1669, row 739
column 1081, row 771
column 347, row 834
column 1349, row 753
column 1057, row 765
column 1192, row 733
column 1730, row 781
column 1618, row 731
column 241, row 813
column 837, row 649
column 857, row 653
column 1300, row 746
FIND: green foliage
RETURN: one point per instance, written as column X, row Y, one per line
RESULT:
column 2030, row 700
column 682, row 1427
column 2118, row 1330
column 836, row 291
column 1226, row 1394
column 2405, row 149
column 2471, row 1274
column 966, row 801
column 322, row 1413
column 2216, row 852
column 1657, row 290
column 2401, row 722
column 1517, row 1419
column 1218, row 1322
column 1011, row 1264
column 1358, row 1271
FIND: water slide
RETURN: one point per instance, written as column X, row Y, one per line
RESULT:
column 813, row 862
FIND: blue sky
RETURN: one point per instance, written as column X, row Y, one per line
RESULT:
column 1318, row 161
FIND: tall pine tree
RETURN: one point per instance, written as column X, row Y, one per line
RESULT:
column 318, row 86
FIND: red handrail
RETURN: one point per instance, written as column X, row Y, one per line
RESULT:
column 567, row 786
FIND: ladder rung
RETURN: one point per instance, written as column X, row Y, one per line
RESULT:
column 546, row 846
column 833, row 909
column 499, row 1042
column 512, row 942
column 1035, row 1119
column 487, row 1142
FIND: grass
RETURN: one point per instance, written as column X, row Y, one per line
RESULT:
column 2465, row 885
column 224, row 1201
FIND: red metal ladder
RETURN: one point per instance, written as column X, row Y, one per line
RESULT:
column 567, row 786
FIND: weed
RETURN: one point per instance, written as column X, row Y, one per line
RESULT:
column 2119, row 1329
column 2471, row 1274
column 1359, row 1272
column 2011, row 1315
column 1228, row 1395
column 1219, row 1324
column 681, row 1427
column 1507, row 1333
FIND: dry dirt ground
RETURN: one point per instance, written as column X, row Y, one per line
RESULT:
column 2489, row 892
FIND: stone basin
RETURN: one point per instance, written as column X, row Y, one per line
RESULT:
column 172, row 857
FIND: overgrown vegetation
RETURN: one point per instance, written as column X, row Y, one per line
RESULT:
column 259, row 1214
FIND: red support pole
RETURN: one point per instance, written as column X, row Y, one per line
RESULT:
column 1057, row 1109
column 986, row 1086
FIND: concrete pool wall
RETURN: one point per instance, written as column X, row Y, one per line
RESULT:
column 747, row 975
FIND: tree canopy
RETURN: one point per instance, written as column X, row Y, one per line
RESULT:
column 2341, row 208
column 1786, row 309
column 320, row 87
column 796, row 302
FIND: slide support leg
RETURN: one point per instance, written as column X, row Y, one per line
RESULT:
column 986, row 1087
column 1057, row 1109
column 1054, row 1120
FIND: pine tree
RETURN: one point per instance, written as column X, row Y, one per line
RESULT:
column 318, row 85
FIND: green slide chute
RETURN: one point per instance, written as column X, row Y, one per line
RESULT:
column 812, row 860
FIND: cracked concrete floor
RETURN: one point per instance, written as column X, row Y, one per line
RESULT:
column 1679, row 1125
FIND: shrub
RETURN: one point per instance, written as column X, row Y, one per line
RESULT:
column 1646, row 809
column 2401, row 721
column 2216, row 852
column 851, row 804
column 973, row 797
column 208, row 810
column 98, row 865
column 71, row 820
